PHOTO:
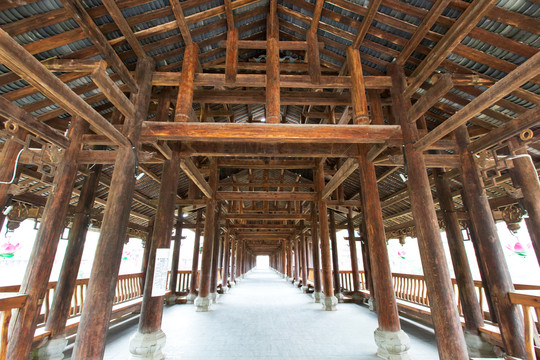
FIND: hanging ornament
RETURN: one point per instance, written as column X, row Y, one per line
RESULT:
column 401, row 253
column 126, row 254
column 8, row 249
column 519, row 248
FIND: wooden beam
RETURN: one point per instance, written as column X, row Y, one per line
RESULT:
column 266, row 164
column 358, row 91
column 184, row 101
column 124, row 27
column 461, row 28
column 191, row 170
column 265, row 196
column 181, row 21
column 74, row 65
column 270, row 133
column 427, row 22
column 265, row 184
column 293, row 45
column 348, row 167
column 258, row 80
column 316, row 16
column 431, row 161
column 313, row 57
column 23, row 119
column 366, row 23
column 112, row 92
column 526, row 120
column 272, row 98
column 231, row 57
column 222, row 149
column 76, row 10
column 229, row 14
column 269, row 217
column 31, row 70
column 431, row 97
column 509, row 83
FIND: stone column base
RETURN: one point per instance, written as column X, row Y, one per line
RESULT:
column 171, row 299
column 478, row 346
column 147, row 346
column 191, row 298
column 52, row 349
column 357, row 298
column 232, row 284
column 329, row 303
column 372, row 304
column 317, row 295
column 392, row 345
column 213, row 297
column 203, row 304
column 305, row 289
column 225, row 289
column 339, row 296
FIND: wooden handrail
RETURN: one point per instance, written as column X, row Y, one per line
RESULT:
column 8, row 301
column 528, row 299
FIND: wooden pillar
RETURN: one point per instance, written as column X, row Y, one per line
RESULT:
column 289, row 258
column 231, row 56
column 233, row 259
column 195, row 261
column 226, row 258
column 329, row 300
column 184, row 101
column 215, row 254
column 305, row 261
column 152, row 305
column 525, row 177
column 358, row 91
column 450, row 339
column 176, row 251
column 467, row 291
column 297, row 256
column 500, row 282
column 146, row 254
column 366, row 259
column 387, row 311
column 335, row 257
column 203, row 301
column 354, row 254
column 56, row 322
column 273, row 112
column 315, row 252
column 34, row 284
column 90, row 343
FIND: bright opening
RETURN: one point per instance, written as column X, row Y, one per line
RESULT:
column 263, row 262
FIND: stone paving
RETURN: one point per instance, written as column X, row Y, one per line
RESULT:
column 264, row 317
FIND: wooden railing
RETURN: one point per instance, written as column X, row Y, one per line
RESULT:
column 8, row 302
column 128, row 288
column 530, row 302
column 182, row 281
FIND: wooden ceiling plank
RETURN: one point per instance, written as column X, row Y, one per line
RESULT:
column 510, row 82
column 79, row 14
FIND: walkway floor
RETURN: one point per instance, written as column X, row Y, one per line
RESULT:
column 263, row 317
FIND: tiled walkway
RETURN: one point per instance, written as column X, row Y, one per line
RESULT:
column 264, row 317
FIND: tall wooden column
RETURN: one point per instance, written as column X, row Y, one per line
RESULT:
column 195, row 260
column 203, row 301
column 289, row 259
column 297, row 256
column 389, row 335
column 176, row 251
column 147, row 245
column 56, row 322
column 273, row 112
column 354, row 254
column 215, row 255
column 358, row 91
column 525, row 177
column 233, row 260
column 467, row 291
column 450, row 339
column 498, row 276
column 305, row 261
column 315, row 252
column 329, row 301
column 184, row 101
column 335, row 257
column 34, row 284
column 226, row 263
column 150, row 339
column 90, row 343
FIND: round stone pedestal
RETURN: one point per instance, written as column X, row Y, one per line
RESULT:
column 214, row 297
column 147, row 346
column 317, row 295
column 52, row 349
column 305, row 289
column 329, row 303
column 392, row 345
column 191, row 298
column 203, row 304
column 339, row 296
column 478, row 346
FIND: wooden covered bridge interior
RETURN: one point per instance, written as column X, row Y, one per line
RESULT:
column 266, row 126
